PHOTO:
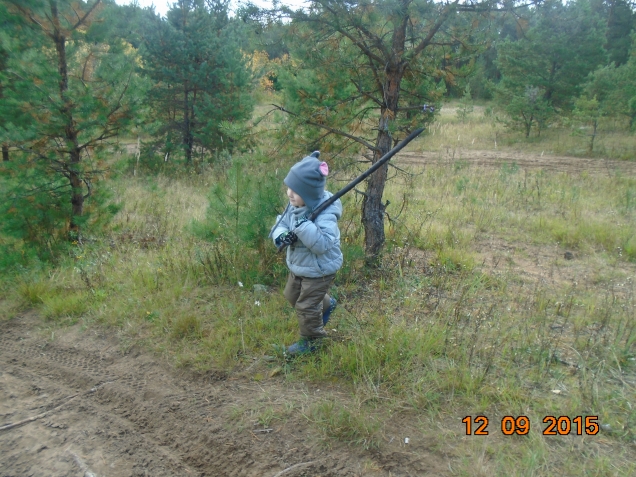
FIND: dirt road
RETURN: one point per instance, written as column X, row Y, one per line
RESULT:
column 114, row 413
column 527, row 161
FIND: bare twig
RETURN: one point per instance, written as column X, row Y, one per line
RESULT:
column 24, row 421
column 40, row 416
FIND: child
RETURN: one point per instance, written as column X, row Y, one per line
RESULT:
column 313, row 254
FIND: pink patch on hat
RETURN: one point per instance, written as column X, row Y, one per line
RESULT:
column 324, row 169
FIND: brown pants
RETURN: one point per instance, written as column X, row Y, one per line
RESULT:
column 309, row 297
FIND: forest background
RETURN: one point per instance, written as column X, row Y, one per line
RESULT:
column 142, row 160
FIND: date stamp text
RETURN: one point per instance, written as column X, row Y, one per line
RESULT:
column 554, row 426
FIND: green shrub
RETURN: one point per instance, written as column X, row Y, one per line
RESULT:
column 242, row 209
column 243, row 206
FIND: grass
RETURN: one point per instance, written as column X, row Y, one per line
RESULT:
column 475, row 310
column 484, row 129
column 338, row 422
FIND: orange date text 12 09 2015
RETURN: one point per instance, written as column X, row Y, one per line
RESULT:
column 555, row 426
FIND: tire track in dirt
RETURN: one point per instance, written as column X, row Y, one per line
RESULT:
column 145, row 421
column 105, row 417
column 137, row 423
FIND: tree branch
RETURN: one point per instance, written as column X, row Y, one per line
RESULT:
column 484, row 8
column 366, row 94
column 361, row 45
column 36, row 87
column 333, row 130
column 29, row 15
column 433, row 31
column 376, row 40
column 83, row 19
column 410, row 108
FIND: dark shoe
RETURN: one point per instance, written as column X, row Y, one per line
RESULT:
column 303, row 346
column 327, row 314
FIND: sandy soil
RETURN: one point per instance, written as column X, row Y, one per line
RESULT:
column 110, row 413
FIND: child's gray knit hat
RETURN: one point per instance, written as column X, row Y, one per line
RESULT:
column 307, row 179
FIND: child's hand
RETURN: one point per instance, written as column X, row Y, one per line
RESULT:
column 287, row 238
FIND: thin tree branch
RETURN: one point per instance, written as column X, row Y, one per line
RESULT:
column 366, row 94
column 400, row 169
column 44, row 188
column 40, row 416
column 83, row 19
column 30, row 16
column 88, row 187
column 377, row 41
column 37, row 87
column 362, row 46
column 433, row 31
column 328, row 128
column 484, row 8
column 295, row 466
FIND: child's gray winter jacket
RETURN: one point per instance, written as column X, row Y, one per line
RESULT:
column 317, row 251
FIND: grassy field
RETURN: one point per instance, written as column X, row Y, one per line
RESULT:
column 485, row 129
column 503, row 292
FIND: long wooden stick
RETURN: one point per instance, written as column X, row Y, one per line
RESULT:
column 383, row 160
column 39, row 416
column 24, row 421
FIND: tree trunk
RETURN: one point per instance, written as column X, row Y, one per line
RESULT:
column 590, row 147
column 5, row 152
column 372, row 206
column 77, row 192
column 187, row 129
column 70, row 131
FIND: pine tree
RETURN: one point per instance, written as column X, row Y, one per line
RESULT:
column 200, row 77
column 67, row 91
column 364, row 74
column 619, row 18
column 466, row 106
column 615, row 88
